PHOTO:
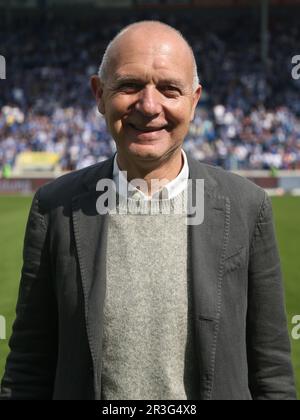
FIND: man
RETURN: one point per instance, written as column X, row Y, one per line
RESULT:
column 140, row 304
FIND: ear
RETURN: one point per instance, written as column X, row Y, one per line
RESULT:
column 196, row 98
column 97, row 89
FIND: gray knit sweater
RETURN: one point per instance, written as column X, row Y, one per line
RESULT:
column 148, row 340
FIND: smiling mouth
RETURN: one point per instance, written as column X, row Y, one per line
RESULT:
column 147, row 129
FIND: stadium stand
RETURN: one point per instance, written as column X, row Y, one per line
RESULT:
column 248, row 118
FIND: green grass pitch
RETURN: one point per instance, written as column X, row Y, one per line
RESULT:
column 13, row 216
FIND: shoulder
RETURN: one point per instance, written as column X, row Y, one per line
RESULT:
column 246, row 198
column 63, row 189
column 233, row 185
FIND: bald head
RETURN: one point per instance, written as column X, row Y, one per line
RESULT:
column 161, row 36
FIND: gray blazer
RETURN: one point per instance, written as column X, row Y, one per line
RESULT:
column 240, row 324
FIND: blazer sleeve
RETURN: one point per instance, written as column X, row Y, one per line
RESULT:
column 268, row 346
column 30, row 366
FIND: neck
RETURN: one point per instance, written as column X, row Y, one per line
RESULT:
column 161, row 171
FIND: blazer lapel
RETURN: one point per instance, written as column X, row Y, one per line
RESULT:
column 90, row 230
column 208, row 243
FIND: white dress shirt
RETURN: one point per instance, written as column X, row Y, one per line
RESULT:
column 169, row 191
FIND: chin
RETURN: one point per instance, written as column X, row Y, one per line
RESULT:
column 146, row 151
column 146, row 156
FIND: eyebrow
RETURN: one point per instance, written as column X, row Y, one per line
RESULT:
column 134, row 79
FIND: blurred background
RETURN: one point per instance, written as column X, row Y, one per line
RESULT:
column 248, row 120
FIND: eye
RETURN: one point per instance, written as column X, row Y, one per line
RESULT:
column 170, row 91
column 129, row 87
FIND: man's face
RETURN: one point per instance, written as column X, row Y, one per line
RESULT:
column 148, row 100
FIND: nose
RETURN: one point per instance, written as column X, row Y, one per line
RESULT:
column 149, row 102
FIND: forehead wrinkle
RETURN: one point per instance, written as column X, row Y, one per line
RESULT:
column 143, row 73
column 154, row 57
column 160, row 64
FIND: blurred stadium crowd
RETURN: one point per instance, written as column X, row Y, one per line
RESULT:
column 249, row 116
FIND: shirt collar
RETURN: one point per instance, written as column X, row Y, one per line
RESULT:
column 170, row 190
